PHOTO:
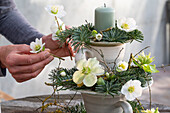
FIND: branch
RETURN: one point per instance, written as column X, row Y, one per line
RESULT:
column 102, row 56
column 130, row 60
column 132, row 57
column 141, row 50
column 117, row 58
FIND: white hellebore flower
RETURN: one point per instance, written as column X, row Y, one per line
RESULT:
column 132, row 89
column 122, row 66
column 127, row 25
column 150, row 111
column 37, row 46
column 87, row 73
column 57, row 29
column 98, row 36
column 56, row 10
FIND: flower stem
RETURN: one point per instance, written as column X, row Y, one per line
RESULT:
column 150, row 96
column 58, row 57
column 140, row 103
column 57, row 23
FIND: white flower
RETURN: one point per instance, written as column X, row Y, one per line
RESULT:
column 150, row 111
column 37, row 46
column 56, row 10
column 98, row 36
column 57, row 26
column 87, row 73
column 122, row 66
column 63, row 73
column 127, row 25
column 132, row 89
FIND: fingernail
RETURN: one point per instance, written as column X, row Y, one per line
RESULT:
column 51, row 58
column 47, row 54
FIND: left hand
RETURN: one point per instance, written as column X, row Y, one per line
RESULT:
column 55, row 48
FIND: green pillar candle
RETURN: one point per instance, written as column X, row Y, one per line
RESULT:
column 104, row 18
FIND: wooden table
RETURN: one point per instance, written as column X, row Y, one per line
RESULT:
column 31, row 104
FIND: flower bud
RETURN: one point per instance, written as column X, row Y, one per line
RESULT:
column 63, row 73
column 100, row 81
column 107, row 74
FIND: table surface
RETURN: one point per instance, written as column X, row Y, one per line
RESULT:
column 31, row 104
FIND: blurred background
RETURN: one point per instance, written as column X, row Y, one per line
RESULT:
column 150, row 15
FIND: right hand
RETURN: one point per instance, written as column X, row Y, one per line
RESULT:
column 21, row 64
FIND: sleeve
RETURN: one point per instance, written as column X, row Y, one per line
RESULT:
column 16, row 28
column 2, row 72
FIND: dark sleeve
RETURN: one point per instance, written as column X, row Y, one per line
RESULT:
column 15, row 27
column 2, row 72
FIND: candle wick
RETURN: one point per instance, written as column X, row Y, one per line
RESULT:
column 104, row 4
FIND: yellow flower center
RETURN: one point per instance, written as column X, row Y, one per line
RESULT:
column 122, row 66
column 148, row 111
column 79, row 85
column 86, row 70
column 37, row 47
column 54, row 9
column 99, row 36
column 131, row 89
column 125, row 26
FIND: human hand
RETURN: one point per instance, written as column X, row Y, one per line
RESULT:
column 21, row 64
column 55, row 48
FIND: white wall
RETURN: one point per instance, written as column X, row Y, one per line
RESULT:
column 149, row 14
column 151, row 19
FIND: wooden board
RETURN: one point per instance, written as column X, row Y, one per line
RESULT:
column 31, row 104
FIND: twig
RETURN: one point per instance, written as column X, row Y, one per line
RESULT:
column 141, row 51
column 137, row 110
column 108, row 29
column 130, row 60
column 49, row 84
column 48, row 98
column 140, row 103
column 163, row 66
column 59, row 63
column 55, row 88
column 131, row 56
column 42, row 107
column 67, row 80
column 105, row 65
column 117, row 57
column 72, row 98
column 150, row 96
column 102, row 56
column 88, row 25
column 57, row 57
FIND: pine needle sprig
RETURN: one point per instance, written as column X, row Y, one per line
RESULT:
column 117, row 35
column 82, row 36
column 108, row 88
